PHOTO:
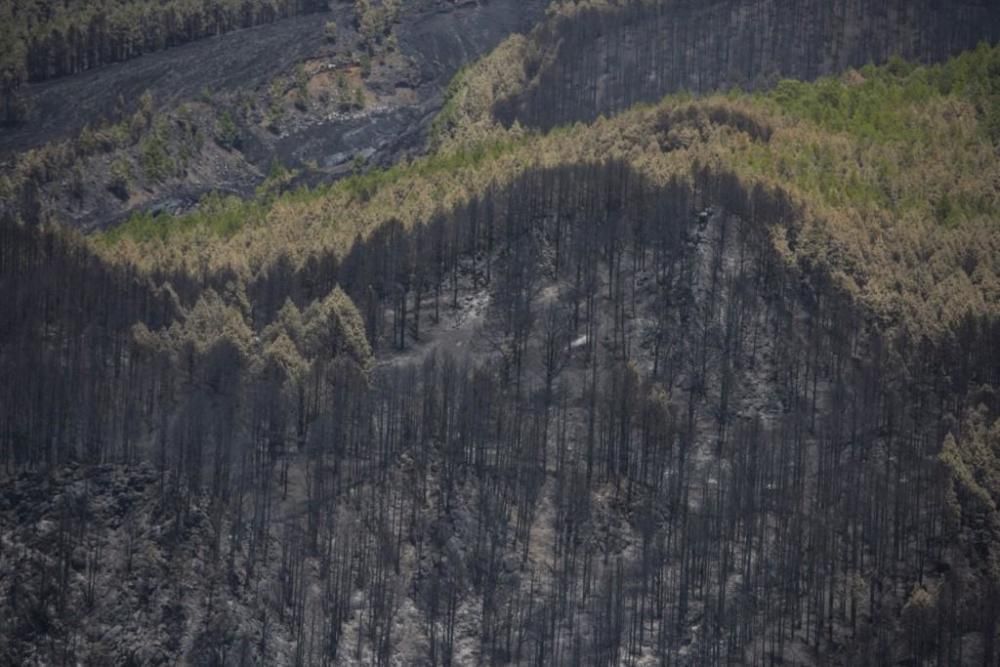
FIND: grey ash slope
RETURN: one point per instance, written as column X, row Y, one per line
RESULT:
column 246, row 76
column 436, row 43
column 243, row 59
column 439, row 35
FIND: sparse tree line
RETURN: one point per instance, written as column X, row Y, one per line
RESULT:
column 42, row 40
column 140, row 146
column 606, row 57
column 670, row 443
column 374, row 20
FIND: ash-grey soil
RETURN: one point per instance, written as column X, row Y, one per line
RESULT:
column 439, row 35
column 242, row 59
column 437, row 39
column 225, row 74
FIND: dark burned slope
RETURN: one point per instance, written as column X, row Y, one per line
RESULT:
column 242, row 59
column 606, row 58
column 679, row 427
column 436, row 39
column 224, row 111
column 665, row 441
column 439, row 36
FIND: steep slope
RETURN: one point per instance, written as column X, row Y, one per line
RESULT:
column 49, row 39
column 601, row 58
column 894, row 169
column 317, row 96
column 41, row 40
column 246, row 59
column 676, row 386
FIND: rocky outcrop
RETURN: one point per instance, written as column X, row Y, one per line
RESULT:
column 606, row 59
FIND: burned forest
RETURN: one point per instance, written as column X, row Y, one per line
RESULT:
column 566, row 374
